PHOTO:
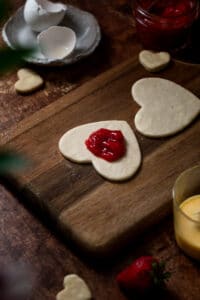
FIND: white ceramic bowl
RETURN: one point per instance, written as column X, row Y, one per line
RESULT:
column 16, row 33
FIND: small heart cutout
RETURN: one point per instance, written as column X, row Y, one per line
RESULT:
column 72, row 146
column 166, row 107
column 75, row 288
column 28, row 81
column 154, row 61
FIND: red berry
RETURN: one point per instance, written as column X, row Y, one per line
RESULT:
column 142, row 275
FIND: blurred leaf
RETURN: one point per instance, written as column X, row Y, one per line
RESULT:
column 11, row 161
column 4, row 6
column 11, row 58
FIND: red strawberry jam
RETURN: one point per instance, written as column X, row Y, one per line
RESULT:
column 107, row 144
column 166, row 24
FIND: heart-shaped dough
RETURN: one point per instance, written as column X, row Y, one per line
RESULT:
column 75, row 288
column 166, row 107
column 72, row 146
column 154, row 61
column 28, row 81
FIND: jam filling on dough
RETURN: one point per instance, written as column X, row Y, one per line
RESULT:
column 107, row 144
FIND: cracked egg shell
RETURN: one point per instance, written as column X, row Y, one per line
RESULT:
column 41, row 14
column 57, row 42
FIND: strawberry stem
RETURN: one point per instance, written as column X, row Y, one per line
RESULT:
column 158, row 273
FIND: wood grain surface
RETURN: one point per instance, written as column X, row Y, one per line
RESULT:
column 97, row 214
column 28, row 239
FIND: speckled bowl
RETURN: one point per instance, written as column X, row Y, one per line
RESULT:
column 16, row 33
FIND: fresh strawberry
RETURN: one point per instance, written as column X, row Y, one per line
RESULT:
column 143, row 275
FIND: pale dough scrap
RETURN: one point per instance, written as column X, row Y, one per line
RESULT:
column 28, row 81
column 166, row 107
column 154, row 61
column 75, row 288
column 72, row 146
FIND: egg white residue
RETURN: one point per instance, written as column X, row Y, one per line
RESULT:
column 41, row 14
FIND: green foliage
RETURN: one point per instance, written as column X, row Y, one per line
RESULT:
column 3, row 9
column 11, row 161
column 4, row 5
column 11, row 58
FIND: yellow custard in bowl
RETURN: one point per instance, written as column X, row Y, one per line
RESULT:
column 187, row 226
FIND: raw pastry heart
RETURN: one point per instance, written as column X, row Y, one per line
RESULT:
column 166, row 107
column 154, row 61
column 75, row 288
column 28, row 81
column 72, row 146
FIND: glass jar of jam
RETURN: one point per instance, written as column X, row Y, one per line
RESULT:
column 165, row 24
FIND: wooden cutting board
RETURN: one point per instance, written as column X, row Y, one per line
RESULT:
column 98, row 215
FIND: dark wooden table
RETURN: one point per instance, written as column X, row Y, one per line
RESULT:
column 25, row 237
